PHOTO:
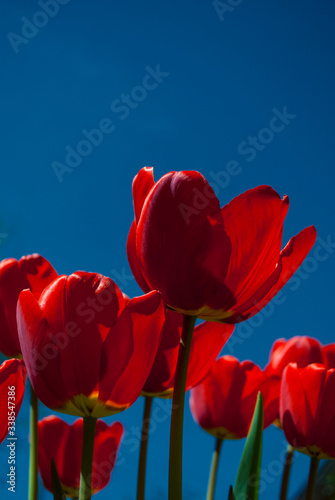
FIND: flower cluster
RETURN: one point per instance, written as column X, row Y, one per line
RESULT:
column 298, row 391
column 90, row 351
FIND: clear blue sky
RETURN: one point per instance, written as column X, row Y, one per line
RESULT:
column 222, row 81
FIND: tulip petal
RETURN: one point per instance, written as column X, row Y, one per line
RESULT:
column 302, row 350
column 31, row 271
column 224, row 402
column 12, row 373
column 214, row 403
column 254, row 224
column 270, row 390
column 11, row 284
column 208, row 340
column 133, row 259
column 117, row 350
column 53, row 434
column 40, row 351
column 299, row 404
column 291, row 257
column 9, row 340
column 176, row 222
column 147, row 314
column 325, row 436
column 254, row 379
column 160, row 381
column 107, row 442
column 70, row 457
column 63, row 442
column 328, row 352
column 207, row 343
column 38, row 271
column 91, row 305
column 142, row 184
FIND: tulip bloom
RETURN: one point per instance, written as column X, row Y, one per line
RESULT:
column 207, row 343
column 307, row 409
column 217, row 264
column 64, row 443
column 223, row 404
column 33, row 272
column 301, row 350
column 87, row 351
column 13, row 376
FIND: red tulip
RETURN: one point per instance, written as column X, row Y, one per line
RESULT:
column 13, row 376
column 307, row 409
column 300, row 350
column 217, row 264
column 223, row 404
column 207, row 343
column 87, row 352
column 64, row 443
column 33, row 272
column 328, row 352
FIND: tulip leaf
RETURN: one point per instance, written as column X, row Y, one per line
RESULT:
column 248, row 475
column 56, row 484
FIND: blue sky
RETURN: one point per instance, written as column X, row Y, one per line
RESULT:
column 222, row 77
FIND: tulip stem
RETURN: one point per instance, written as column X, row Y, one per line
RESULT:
column 286, row 473
column 177, row 417
column 312, row 477
column 33, row 445
column 214, row 468
column 143, row 451
column 85, row 489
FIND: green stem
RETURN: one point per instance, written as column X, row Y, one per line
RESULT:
column 143, row 451
column 312, row 477
column 85, row 490
column 286, row 473
column 33, row 442
column 177, row 417
column 214, row 468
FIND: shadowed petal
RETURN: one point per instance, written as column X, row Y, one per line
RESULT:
column 147, row 314
column 12, row 381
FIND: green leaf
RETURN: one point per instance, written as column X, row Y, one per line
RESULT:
column 248, row 476
column 56, row 484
